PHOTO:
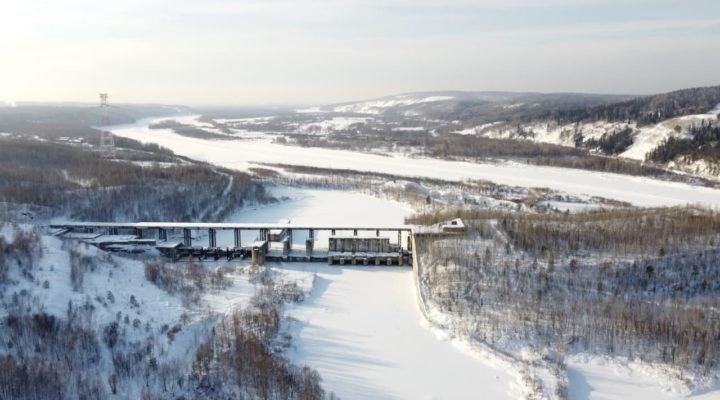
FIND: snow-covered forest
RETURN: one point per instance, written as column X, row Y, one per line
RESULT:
column 81, row 323
column 139, row 182
column 639, row 284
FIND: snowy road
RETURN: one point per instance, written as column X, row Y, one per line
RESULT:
column 241, row 154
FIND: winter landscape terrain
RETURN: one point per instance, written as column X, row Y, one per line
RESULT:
column 593, row 281
column 346, row 199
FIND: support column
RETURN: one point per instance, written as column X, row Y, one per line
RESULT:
column 399, row 242
column 287, row 246
column 310, row 243
column 238, row 238
column 212, row 238
column 258, row 255
column 187, row 237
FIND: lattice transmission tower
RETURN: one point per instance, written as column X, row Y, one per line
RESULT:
column 107, row 142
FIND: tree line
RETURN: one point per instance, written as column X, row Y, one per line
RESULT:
column 703, row 143
column 137, row 184
column 644, row 110
column 640, row 283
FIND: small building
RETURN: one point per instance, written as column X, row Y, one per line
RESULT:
column 169, row 249
column 453, row 226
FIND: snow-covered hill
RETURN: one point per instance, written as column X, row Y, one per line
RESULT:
column 379, row 106
column 467, row 104
column 646, row 138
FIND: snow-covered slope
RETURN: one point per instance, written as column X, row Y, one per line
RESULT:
column 381, row 105
column 649, row 137
column 605, row 378
column 329, row 125
column 646, row 138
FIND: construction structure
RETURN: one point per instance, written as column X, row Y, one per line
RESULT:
column 346, row 244
column 271, row 241
column 107, row 142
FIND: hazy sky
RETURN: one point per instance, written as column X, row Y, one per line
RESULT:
column 296, row 51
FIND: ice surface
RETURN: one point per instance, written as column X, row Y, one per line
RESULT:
column 363, row 331
column 361, row 327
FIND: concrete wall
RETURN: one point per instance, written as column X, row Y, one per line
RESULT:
column 417, row 272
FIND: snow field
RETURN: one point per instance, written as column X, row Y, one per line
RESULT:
column 361, row 328
column 603, row 378
column 379, row 106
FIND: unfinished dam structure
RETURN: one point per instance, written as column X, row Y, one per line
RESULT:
column 342, row 244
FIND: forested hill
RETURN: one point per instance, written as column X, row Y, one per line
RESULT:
column 51, row 121
column 643, row 110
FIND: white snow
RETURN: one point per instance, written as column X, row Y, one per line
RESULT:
column 246, row 121
column 361, row 327
column 124, row 278
column 409, row 129
column 603, row 378
column 378, row 106
column 478, row 129
column 649, row 137
column 570, row 206
column 194, row 121
column 330, row 125
column 242, row 155
column 308, row 110
column 548, row 132
column 363, row 331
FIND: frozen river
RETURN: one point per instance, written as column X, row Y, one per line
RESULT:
column 242, row 154
column 361, row 328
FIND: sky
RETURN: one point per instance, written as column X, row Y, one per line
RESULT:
column 306, row 52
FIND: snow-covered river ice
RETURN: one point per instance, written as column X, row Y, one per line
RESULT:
column 243, row 154
column 361, row 327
